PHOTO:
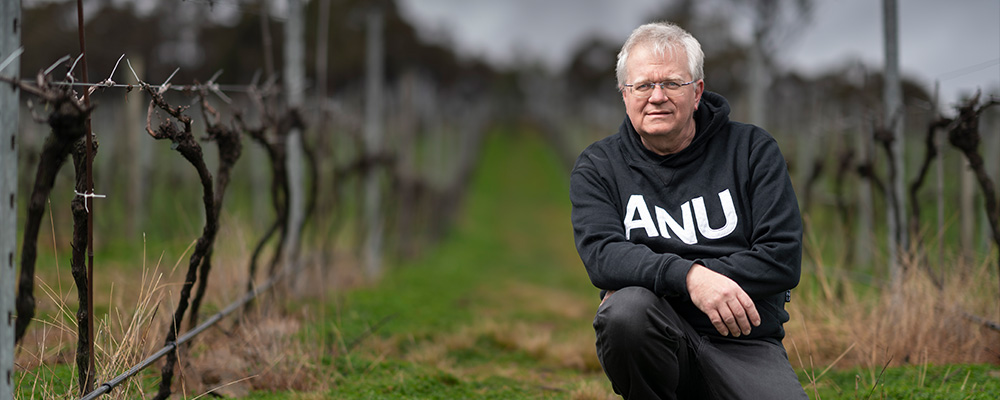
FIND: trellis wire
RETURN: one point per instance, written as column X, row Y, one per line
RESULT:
column 179, row 88
column 106, row 387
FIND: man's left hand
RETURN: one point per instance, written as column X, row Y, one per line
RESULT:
column 727, row 305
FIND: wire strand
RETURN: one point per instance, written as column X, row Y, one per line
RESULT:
column 179, row 88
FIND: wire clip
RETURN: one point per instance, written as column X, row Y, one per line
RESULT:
column 86, row 195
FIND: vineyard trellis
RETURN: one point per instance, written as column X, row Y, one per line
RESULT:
column 964, row 135
column 410, row 190
column 66, row 122
column 68, row 118
column 270, row 132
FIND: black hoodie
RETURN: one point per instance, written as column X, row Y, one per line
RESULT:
column 725, row 202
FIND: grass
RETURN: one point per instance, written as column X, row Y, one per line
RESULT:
column 976, row 381
column 500, row 309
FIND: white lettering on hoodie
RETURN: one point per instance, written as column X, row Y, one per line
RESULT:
column 637, row 216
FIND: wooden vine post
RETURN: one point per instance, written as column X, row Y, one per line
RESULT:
column 86, row 376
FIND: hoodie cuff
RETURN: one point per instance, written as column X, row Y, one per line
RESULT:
column 672, row 281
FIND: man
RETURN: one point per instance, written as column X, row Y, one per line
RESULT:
column 688, row 223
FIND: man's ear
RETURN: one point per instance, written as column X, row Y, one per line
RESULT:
column 699, row 88
column 622, row 90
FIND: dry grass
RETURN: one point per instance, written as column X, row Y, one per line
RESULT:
column 837, row 325
column 592, row 391
column 911, row 323
column 260, row 352
column 537, row 340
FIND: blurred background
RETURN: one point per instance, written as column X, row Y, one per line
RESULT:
column 811, row 73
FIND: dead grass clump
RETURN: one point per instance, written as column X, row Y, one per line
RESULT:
column 592, row 390
column 534, row 339
column 539, row 340
column 577, row 351
column 912, row 322
column 259, row 354
column 543, row 300
column 433, row 354
column 122, row 339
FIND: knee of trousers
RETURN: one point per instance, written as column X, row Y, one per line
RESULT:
column 634, row 315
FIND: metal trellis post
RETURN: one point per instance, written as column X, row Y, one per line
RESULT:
column 10, row 41
column 294, row 82
column 373, row 141
column 893, row 98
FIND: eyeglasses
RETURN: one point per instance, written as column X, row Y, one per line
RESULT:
column 646, row 89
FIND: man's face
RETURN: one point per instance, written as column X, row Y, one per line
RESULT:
column 663, row 115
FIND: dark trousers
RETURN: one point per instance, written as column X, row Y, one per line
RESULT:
column 649, row 352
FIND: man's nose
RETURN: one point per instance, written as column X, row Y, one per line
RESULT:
column 658, row 95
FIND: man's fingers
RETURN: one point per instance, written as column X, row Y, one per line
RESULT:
column 726, row 304
column 752, row 315
column 739, row 318
column 727, row 323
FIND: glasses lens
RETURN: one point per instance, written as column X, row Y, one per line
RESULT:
column 669, row 88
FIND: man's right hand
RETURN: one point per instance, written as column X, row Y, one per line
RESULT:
column 606, row 295
column 728, row 307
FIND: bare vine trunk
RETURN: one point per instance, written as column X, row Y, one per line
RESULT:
column 78, row 264
column 965, row 136
column 67, row 123
column 184, row 142
column 230, row 147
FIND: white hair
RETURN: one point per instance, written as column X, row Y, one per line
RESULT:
column 662, row 37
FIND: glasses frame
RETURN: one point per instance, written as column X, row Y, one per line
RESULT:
column 663, row 86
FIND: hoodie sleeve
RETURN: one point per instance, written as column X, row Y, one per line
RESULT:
column 772, row 264
column 612, row 262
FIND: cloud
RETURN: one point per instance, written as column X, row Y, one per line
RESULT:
column 504, row 32
column 936, row 38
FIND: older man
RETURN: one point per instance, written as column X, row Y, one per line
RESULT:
column 688, row 223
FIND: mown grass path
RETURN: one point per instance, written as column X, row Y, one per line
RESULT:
column 501, row 309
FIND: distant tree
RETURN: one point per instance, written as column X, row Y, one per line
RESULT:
column 774, row 22
column 212, row 37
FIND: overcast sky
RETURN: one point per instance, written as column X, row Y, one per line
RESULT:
column 956, row 42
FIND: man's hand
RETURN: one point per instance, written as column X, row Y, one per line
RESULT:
column 606, row 295
column 728, row 307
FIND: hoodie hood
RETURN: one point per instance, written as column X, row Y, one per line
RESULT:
column 711, row 116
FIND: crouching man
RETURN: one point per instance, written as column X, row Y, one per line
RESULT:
column 688, row 223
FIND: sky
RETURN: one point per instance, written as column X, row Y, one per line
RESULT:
column 956, row 43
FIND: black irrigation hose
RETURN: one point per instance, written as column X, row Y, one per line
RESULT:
column 106, row 387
